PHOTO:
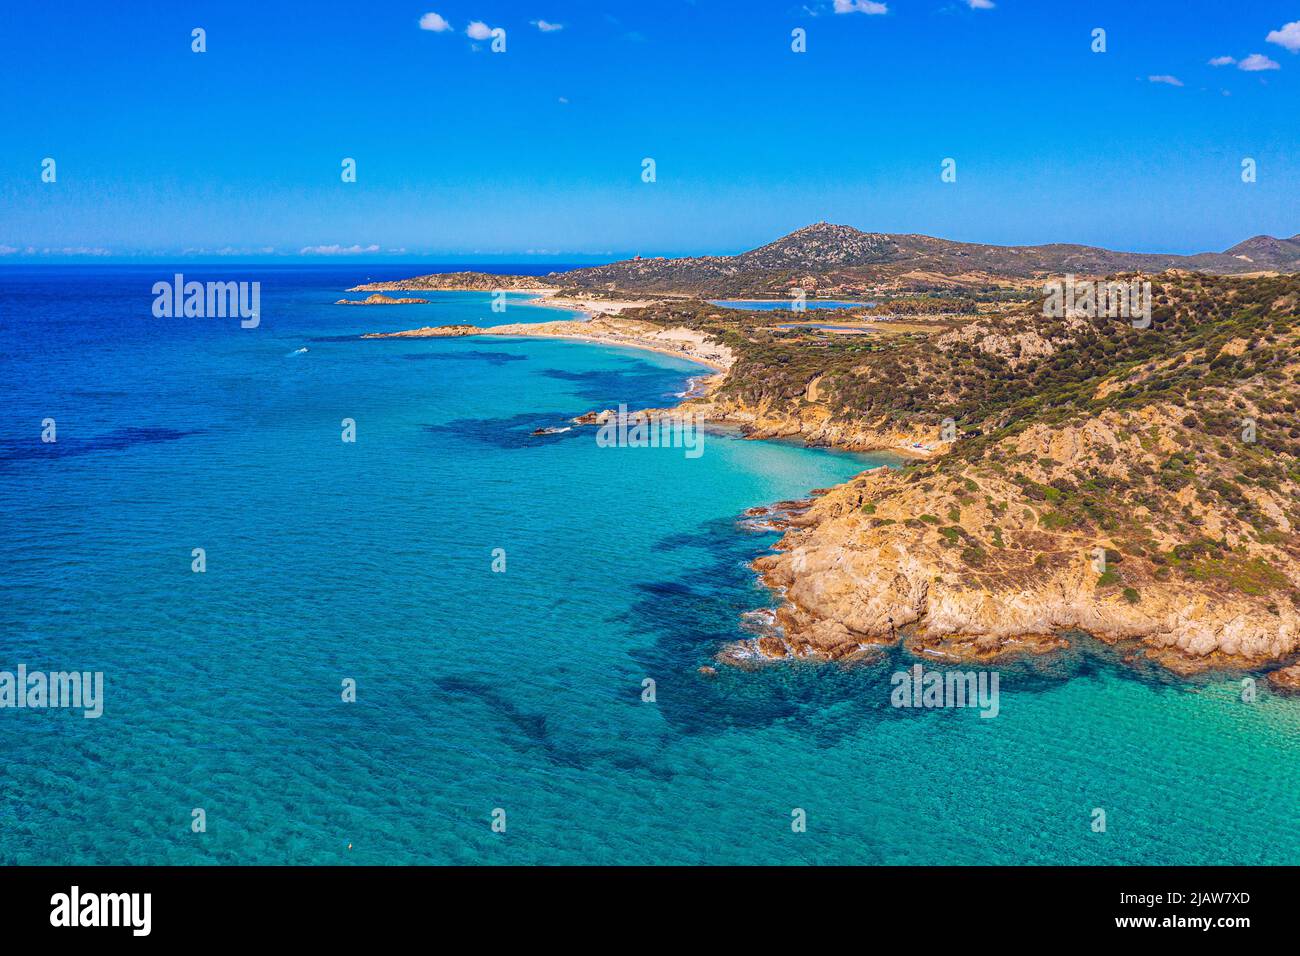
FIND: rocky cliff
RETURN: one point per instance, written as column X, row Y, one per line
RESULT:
column 979, row 560
column 1140, row 485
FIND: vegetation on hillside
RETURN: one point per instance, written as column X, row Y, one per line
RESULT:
column 1181, row 441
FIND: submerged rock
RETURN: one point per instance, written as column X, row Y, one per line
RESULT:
column 1286, row 679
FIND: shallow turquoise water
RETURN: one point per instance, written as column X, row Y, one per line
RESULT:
column 479, row 690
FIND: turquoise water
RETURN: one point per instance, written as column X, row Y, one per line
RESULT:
column 445, row 308
column 478, row 690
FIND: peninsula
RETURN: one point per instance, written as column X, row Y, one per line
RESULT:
column 1134, row 478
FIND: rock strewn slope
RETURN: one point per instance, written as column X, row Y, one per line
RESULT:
column 985, row 558
column 1173, row 453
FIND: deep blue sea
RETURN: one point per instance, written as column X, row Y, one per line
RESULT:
column 479, row 690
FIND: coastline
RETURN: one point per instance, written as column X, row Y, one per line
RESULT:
column 590, row 308
column 601, row 323
column 856, row 568
column 849, row 582
column 677, row 342
column 640, row 346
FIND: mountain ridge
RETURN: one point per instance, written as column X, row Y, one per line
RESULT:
column 831, row 259
column 841, row 257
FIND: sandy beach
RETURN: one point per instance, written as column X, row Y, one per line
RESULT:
column 551, row 298
column 603, row 329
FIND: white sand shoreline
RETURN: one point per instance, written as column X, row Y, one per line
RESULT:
column 640, row 346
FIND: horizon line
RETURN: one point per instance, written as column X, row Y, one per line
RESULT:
column 13, row 255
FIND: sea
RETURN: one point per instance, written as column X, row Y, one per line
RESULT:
column 452, row 641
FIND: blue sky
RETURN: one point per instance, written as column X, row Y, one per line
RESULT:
column 461, row 152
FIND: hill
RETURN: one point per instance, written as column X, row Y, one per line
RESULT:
column 1173, row 451
column 834, row 260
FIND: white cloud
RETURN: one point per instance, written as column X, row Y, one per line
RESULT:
column 1165, row 78
column 336, row 250
column 478, row 30
column 980, row 4
column 1222, row 61
column 435, row 23
column 869, row 7
column 8, row 250
column 547, row 27
column 1288, row 36
column 1256, row 62
column 227, row 251
column 72, row 251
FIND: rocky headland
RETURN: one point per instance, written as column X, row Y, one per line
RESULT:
column 378, row 299
column 1098, row 479
column 459, row 282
